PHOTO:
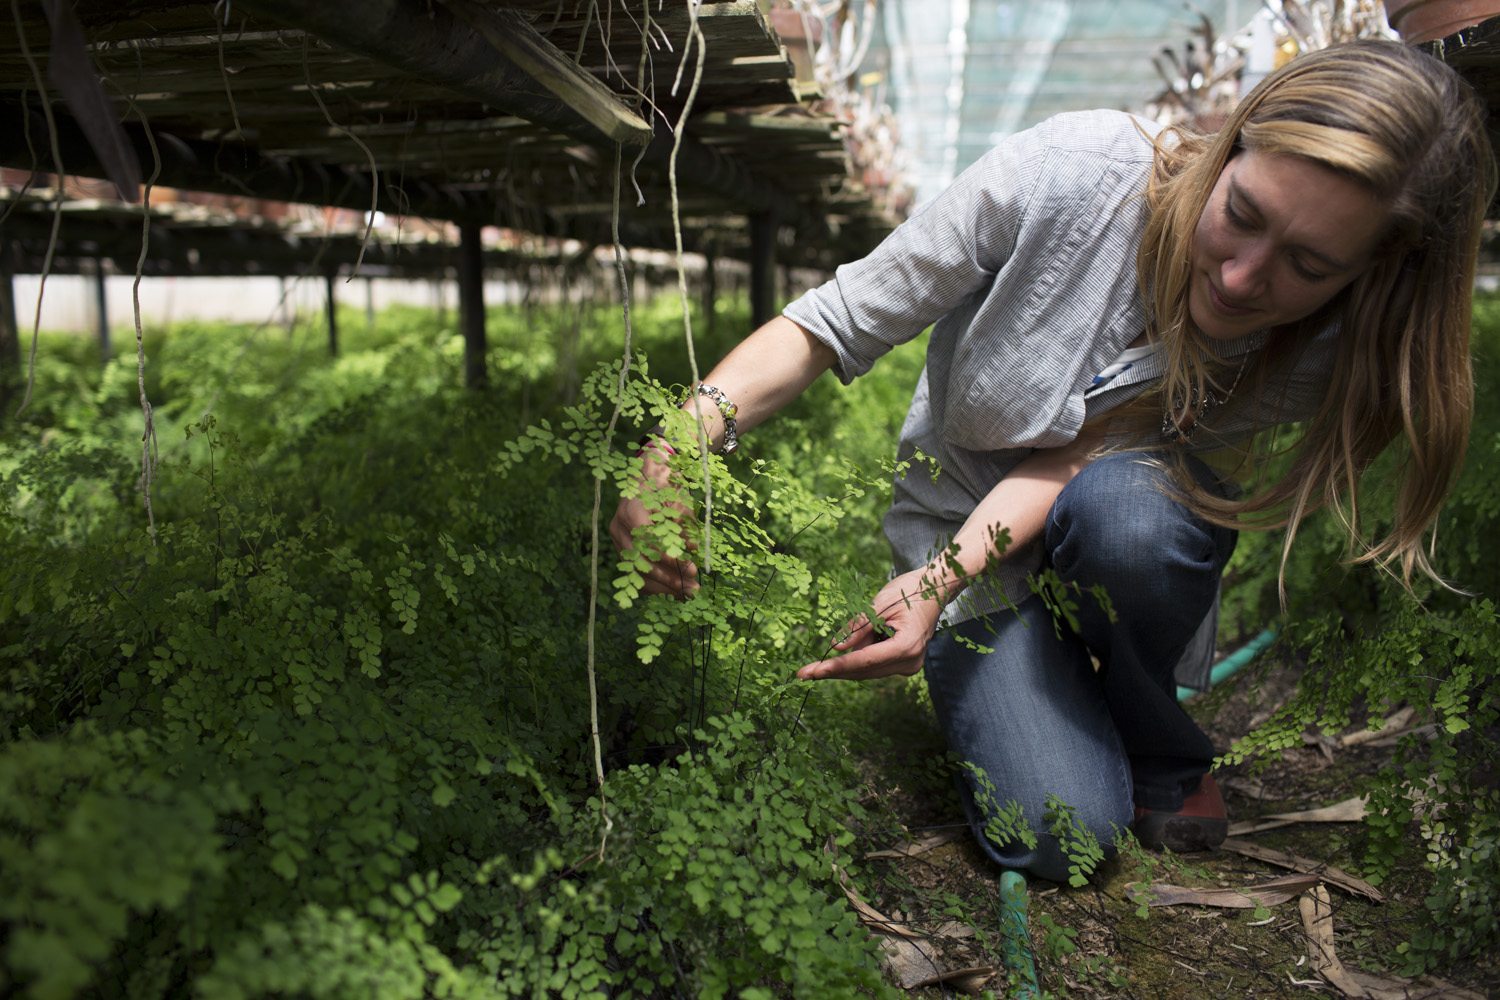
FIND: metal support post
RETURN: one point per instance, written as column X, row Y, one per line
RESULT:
column 471, row 305
column 101, row 310
column 10, row 334
column 762, row 268
column 330, row 277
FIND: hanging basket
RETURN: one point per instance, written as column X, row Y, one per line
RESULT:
column 1426, row 20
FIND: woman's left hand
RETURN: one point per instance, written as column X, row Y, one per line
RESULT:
column 911, row 611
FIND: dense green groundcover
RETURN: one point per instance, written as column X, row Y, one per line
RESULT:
column 329, row 733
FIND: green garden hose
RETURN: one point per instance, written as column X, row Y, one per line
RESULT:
column 1016, row 937
column 1234, row 662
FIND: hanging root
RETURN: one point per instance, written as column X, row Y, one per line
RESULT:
column 648, row 100
column 149, row 454
column 234, row 111
column 695, row 36
column 62, row 178
column 605, row 823
column 30, row 181
column 369, row 156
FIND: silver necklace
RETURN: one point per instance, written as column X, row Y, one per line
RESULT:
column 1177, row 431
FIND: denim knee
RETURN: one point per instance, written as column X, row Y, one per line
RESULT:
column 1029, row 714
column 1117, row 523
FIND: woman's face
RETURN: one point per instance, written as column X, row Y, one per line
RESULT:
column 1279, row 237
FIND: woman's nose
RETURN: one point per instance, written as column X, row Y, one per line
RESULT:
column 1244, row 275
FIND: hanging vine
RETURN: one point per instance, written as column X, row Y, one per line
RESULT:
column 57, row 202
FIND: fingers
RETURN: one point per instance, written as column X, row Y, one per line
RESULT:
column 667, row 575
column 896, row 655
column 619, row 530
column 857, row 634
column 676, row 577
column 896, row 646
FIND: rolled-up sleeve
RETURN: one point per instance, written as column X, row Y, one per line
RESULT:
column 930, row 264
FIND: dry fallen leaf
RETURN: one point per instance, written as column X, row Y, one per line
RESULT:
column 1325, row 744
column 908, row 962
column 1393, row 722
column 868, row 915
column 1250, row 788
column 970, row 980
column 1317, row 924
column 1396, row 988
column 916, row 847
column 1347, row 811
column 1328, row 873
column 871, row 917
column 955, row 930
column 1393, row 737
column 1270, row 893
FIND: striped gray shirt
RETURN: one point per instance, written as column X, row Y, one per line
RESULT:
column 1025, row 268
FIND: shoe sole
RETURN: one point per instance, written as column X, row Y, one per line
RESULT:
column 1183, row 834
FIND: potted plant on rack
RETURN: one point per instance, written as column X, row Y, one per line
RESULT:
column 1427, row 20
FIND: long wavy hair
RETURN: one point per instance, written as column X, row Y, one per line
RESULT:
column 1404, row 124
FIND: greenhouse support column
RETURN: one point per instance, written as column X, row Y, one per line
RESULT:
column 471, row 305
column 710, row 288
column 329, row 278
column 10, row 335
column 762, row 268
column 101, row 309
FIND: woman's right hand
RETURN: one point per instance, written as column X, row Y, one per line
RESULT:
column 766, row 371
column 667, row 575
column 911, row 605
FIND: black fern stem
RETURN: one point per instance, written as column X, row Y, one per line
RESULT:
column 761, row 600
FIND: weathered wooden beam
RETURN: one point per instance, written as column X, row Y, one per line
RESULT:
column 237, row 169
column 736, row 122
column 514, row 37
column 471, row 305
column 532, row 80
column 427, row 40
column 230, row 168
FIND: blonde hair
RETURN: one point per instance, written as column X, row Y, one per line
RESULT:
column 1404, row 124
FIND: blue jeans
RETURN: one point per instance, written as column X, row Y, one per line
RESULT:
column 1036, row 717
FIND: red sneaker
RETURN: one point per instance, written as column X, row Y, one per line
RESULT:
column 1200, row 825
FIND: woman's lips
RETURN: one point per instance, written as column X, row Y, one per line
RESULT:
column 1222, row 305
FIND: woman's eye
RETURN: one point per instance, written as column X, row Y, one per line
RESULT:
column 1235, row 219
column 1306, row 273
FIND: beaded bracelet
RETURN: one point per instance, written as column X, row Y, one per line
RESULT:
column 728, row 410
